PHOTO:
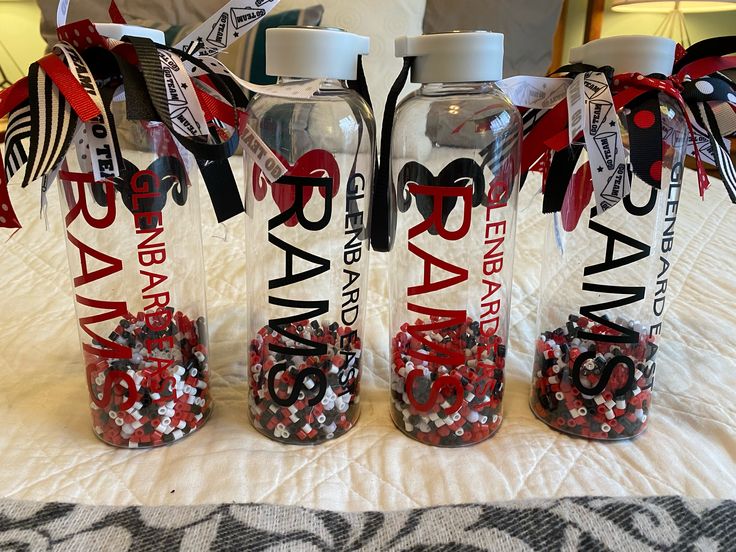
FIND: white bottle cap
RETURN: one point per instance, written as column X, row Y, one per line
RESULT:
column 117, row 32
column 314, row 52
column 459, row 56
column 629, row 54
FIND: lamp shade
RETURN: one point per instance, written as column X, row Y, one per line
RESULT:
column 666, row 6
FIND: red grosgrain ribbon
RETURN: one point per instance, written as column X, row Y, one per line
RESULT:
column 13, row 96
column 10, row 99
column 115, row 15
column 70, row 87
column 707, row 66
column 540, row 138
column 709, row 49
column 104, row 151
column 82, row 34
column 216, row 109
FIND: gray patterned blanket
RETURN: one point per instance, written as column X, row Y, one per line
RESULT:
column 589, row 524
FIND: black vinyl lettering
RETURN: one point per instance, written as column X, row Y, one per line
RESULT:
column 299, row 386
column 605, row 375
column 634, row 295
column 612, row 237
column 642, row 210
column 322, row 265
column 297, row 207
column 278, row 325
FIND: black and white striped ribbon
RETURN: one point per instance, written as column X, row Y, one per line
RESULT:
column 721, row 154
column 52, row 127
column 18, row 131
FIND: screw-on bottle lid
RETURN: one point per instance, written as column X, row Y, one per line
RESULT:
column 629, row 54
column 459, row 56
column 116, row 32
column 314, row 52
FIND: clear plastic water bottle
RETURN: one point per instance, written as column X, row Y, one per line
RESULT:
column 135, row 253
column 604, row 279
column 454, row 173
column 307, row 239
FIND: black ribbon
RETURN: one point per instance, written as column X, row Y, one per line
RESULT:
column 559, row 177
column 383, row 218
column 644, row 124
column 211, row 157
column 564, row 161
column 571, row 70
column 360, row 84
column 710, row 47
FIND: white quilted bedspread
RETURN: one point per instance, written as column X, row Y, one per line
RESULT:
column 49, row 452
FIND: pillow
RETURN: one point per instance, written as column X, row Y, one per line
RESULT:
column 517, row 19
column 245, row 58
column 382, row 20
column 158, row 14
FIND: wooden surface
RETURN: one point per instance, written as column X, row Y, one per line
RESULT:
column 558, row 41
column 594, row 20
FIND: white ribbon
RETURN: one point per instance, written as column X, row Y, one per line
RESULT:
column 61, row 12
column 185, row 110
column 535, row 92
column 302, row 89
column 255, row 148
column 592, row 112
column 226, row 26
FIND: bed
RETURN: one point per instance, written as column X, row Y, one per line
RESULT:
column 362, row 486
column 51, row 454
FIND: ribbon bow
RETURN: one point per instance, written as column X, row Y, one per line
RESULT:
column 700, row 100
column 706, row 98
column 196, row 99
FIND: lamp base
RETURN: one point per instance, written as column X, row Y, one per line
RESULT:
column 675, row 27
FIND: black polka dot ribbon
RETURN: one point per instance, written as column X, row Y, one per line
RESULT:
column 644, row 123
column 644, row 114
column 706, row 97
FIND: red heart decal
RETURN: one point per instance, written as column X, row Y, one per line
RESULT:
column 577, row 198
column 315, row 164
